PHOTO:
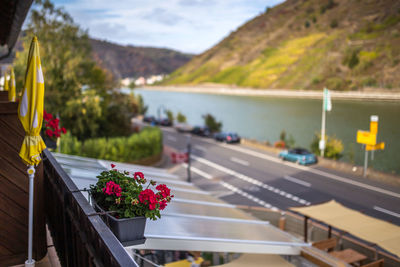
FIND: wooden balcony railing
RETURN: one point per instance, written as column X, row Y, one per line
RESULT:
column 81, row 238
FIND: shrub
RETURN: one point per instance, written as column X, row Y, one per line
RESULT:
column 334, row 23
column 307, row 24
column 369, row 82
column 284, row 141
column 333, row 147
column 282, row 135
column 351, row 58
column 335, row 83
column 138, row 146
column 212, row 123
column 170, row 115
column 180, row 117
column 280, row 144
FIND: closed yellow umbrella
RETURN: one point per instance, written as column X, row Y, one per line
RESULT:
column 30, row 113
column 11, row 91
column 30, row 109
column 6, row 81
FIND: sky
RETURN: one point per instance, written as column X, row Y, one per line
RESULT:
column 190, row 26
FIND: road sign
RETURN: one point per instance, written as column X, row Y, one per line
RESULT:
column 366, row 138
column 379, row 146
column 373, row 125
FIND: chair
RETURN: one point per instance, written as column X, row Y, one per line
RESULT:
column 378, row 263
column 326, row 244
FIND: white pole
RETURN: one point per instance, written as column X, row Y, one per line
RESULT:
column 365, row 163
column 31, row 172
column 322, row 142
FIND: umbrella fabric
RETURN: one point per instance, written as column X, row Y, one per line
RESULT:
column 6, row 86
column 30, row 109
column 11, row 91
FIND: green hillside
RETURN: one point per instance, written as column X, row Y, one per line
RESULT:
column 341, row 44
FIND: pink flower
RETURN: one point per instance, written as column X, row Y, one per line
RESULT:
column 148, row 197
column 112, row 188
column 112, row 166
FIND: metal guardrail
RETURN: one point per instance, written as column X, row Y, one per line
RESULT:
column 79, row 238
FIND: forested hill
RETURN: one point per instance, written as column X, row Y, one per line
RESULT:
column 307, row 44
column 133, row 61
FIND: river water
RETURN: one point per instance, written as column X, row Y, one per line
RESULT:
column 263, row 118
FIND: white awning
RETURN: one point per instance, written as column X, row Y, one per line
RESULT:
column 194, row 220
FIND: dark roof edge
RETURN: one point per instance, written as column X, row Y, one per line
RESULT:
column 19, row 18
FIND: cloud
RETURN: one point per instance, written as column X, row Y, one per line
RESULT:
column 196, row 2
column 187, row 25
column 163, row 16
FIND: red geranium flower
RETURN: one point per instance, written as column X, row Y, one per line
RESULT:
column 49, row 132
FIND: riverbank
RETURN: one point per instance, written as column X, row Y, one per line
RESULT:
column 365, row 95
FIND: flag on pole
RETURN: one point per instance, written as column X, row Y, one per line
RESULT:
column 11, row 91
column 30, row 109
column 327, row 100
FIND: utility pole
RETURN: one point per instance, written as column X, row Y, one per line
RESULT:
column 326, row 106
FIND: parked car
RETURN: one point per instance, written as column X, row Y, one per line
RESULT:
column 150, row 119
column 201, row 131
column 227, row 137
column 165, row 122
column 183, row 127
column 298, row 155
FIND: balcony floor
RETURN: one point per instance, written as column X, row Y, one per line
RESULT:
column 51, row 258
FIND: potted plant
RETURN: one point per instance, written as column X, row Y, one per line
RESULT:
column 127, row 200
column 51, row 130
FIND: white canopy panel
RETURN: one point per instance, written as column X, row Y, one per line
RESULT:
column 194, row 220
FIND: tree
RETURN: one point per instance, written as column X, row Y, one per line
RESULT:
column 142, row 108
column 212, row 123
column 73, row 80
column 170, row 115
column 180, row 117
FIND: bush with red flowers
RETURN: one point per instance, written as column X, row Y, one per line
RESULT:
column 51, row 126
column 127, row 194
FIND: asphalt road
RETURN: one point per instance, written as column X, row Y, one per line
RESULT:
column 246, row 176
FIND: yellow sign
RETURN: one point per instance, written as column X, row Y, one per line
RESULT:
column 373, row 127
column 366, row 138
column 379, row 146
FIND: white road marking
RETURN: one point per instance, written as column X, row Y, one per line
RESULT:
column 203, row 149
column 171, row 138
column 200, row 172
column 297, row 181
column 246, row 178
column 236, row 190
column 240, row 161
column 312, row 170
column 387, row 211
column 252, row 198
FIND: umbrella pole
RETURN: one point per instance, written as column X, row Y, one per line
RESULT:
column 31, row 172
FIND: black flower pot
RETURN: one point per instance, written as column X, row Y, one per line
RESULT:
column 50, row 143
column 129, row 231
